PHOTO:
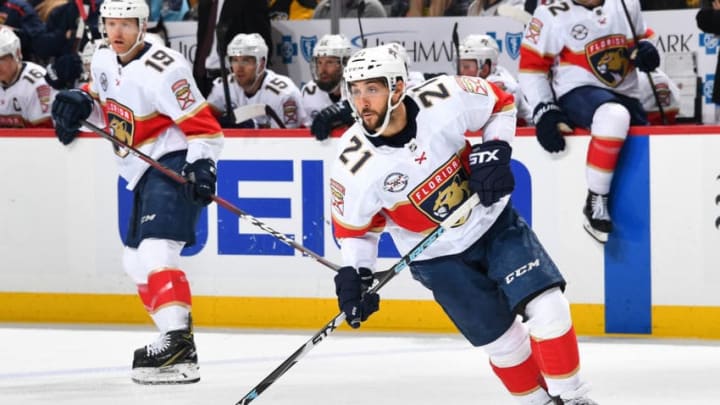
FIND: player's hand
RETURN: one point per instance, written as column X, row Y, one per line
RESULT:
column 551, row 124
column 490, row 174
column 350, row 285
column 201, row 177
column 645, row 56
column 69, row 109
column 64, row 72
column 331, row 117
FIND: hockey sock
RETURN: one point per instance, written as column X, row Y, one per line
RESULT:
column 524, row 381
column 167, row 298
column 559, row 361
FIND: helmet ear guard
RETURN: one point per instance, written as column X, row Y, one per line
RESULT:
column 380, row 62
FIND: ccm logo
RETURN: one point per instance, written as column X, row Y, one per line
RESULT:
column 522, row 270
column 483, row 157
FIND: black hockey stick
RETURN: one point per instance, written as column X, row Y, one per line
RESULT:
column 383, row 279
column 219, row 200
column 221, row 34
column 456, row 43
column 360, row 12
column 270, row 112
column 649, row 75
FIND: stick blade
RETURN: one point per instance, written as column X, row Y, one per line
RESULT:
column 246, row 112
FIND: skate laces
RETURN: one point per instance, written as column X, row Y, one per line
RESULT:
column 599, row 207
column 158, row 345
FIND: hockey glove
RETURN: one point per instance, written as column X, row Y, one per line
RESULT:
column 550, row 124
column 331, row 117
column 490, row 174
column 228, row 121
column 645, row 56
column 200, row 186
column 69, row 109
column 64, row 72
column 349, row 288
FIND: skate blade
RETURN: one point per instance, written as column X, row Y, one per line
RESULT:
column 175, row 374
column 599, row 236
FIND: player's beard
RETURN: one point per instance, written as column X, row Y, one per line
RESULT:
column 376, row 119
column 330, row 84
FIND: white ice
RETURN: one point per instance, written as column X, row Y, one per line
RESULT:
column 58, row 364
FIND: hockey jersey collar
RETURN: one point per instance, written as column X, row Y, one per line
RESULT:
column 406, row 135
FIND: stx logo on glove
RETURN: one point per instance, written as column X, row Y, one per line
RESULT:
column 484, row 156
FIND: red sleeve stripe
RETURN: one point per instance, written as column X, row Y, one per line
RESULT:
column 201, row 123
column 532, row 61
column 504, row 101
column 342, row 230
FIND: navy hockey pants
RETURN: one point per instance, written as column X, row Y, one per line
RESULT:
column 483, row 288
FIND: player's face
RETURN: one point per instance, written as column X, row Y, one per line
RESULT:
column 329, row 70
column 8, row 68
column 122, row 34
column 244, row 69
column 370, row 98
column 468, row 67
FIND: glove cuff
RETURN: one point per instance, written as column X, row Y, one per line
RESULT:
column 543, row 108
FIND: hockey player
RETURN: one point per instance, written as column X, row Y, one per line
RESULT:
column 321, row 98
column 252, row 83
column 587, row 47
column 405, row 165
column 25, row 96
column 479, row 57
column 150, row 101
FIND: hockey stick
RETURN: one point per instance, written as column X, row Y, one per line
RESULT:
column 220, row 36
column 649, row 75
column 360, row 12
column 249, row 111
column 386, row 276
column 516, row 13
column 456, row 43
column 269, row 111
column 219, row 200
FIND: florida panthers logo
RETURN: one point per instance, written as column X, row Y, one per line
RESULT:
column 608, row 59
column 121, row 121
column 443, row 191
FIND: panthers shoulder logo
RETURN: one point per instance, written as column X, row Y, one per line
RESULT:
column 608, row 58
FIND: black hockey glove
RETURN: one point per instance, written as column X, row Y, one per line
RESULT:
column 228, row 121
column 490, row 174
column 550, row 124
column 68, row 110
column 350, row 284
column 200, row 186
column 64, row 72
column 645, row 56
column 331, row 117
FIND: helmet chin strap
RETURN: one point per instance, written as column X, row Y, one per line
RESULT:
column 386, row 121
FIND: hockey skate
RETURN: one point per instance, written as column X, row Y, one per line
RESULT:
column 169, row 360
column 597, row 217
column 577, row 397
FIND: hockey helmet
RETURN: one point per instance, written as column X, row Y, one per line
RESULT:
column 330, row 45
column 372, row 63
column 248, row 45
column 125, row 9
column 9, row 43
column 401, row 51
column 481, row 48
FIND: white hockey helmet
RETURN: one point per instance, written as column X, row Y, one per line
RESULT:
column 481, row 48
column 381, row 62
column 9, row 43
column 401, row 50
column 125, row 9
column 330, row 45
column 248, row 45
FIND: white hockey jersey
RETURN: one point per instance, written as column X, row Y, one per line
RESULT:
column 276, row 91
column 667, row 92
column 314, row 99
column 581, row 47
column 502, row 78
column 26, row 103
column 410, row 189
column 154, row 105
